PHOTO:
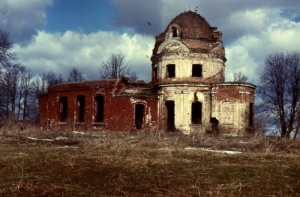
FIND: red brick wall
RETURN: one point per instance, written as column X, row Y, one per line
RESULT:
column 235, row 92
column 43, row 114
column 119, row 111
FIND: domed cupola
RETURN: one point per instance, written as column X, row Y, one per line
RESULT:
column 189, row 25
column 188, row 42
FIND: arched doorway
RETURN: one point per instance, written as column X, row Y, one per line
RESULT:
column 139, row 116
column 170, row 115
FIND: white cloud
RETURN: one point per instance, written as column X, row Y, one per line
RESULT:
column 234, row 18
column 60, row 52
column 284, row 35
column 247, row 53
column 239, row 60
column 250, row 21
column 251, row 31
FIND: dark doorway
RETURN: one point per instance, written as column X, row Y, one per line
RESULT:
column 99, row 108
column 214, row 125
column 139, row 116
column 63, row 109
column 80, row 108
column 196, row 113
column 170, row 115
column 251, row 115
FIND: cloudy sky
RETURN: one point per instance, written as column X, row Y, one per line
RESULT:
column 56, row 35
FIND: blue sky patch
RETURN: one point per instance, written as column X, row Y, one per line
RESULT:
column 291, row 14
column 87, row 16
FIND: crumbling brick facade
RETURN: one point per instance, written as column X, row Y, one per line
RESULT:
column 187, row 92
column 110, row 105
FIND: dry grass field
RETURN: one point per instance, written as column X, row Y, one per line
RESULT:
column 44, row 163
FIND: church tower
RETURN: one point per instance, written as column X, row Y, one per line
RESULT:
column 188, row 62
column 189, row 50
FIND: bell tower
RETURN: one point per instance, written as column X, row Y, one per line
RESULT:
column 187, row 57
column 188, row 51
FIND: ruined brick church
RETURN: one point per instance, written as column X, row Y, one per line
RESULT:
column 188, row 92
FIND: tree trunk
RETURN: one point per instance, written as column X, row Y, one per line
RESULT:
column 297, row 129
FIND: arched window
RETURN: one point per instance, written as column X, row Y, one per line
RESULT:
column 171, row 70
column 196, row 112
column 170, row 105
column 99, row 108
column 174, row 32
column 80, row 108
column 251, row 112
column 63, row 108
column 197, row 70
column 139, row 116
column 155, row 74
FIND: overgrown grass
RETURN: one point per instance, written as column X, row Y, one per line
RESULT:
column 147, row 164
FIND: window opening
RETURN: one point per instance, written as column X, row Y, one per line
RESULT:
column 196, row 113
column 174, row 32
column 99, row 108
column 251, row 115
column 197, row 70
column 171, row 70
column 170, row 115
column 80, row 112
column 139, row 116
column 155, row 73
column 63, row 109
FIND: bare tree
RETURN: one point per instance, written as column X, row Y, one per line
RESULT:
column 239, row 77
column 297, row 127
column 115, row 67
column 5, row 45
column 75, row 75
column 14, row 87
column 44, row 81
column 52, row 78
column 17, row 99
column 261, row 122
column 280, row 90
column 27, row 102
column 9, row 80
column 133, row 76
